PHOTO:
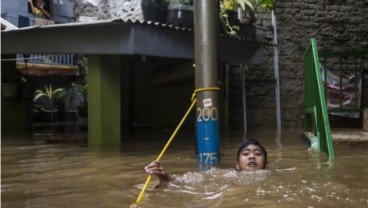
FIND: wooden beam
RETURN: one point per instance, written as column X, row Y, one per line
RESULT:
column 48, row 69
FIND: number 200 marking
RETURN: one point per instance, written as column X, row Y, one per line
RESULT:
column 206, row 114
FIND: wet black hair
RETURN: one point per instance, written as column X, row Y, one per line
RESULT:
column 248, row 142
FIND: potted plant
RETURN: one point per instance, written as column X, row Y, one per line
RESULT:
column 264, row 6
column 237, row 17
column 180, row 13
column 48, row 101
column 51, row 95
column 154, row 10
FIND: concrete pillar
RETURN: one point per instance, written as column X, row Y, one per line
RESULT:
column 104, row 100
column 206, row 76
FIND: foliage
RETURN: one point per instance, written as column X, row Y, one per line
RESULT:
column 248, row 7
column 224, row 18
column 51, row 94
column 266, row 5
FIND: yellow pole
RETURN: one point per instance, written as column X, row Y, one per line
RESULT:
column 140, row 197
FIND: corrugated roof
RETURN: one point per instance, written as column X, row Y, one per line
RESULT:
column 142, row 22
column 125, row 37
column 104, row 22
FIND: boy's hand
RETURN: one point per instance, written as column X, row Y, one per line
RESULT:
column 156, row 169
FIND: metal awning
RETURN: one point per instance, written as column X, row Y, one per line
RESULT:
column 124, row 37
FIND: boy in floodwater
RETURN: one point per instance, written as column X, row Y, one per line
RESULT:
column 251, row 156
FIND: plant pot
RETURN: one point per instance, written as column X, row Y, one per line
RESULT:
column 232, row 16
column 247, row 31
column 154, row 10
column 180, row 15
column 49, row 114
column 260, row 33
column 10, row 90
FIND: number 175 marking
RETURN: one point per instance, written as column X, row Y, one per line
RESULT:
column 208, row 156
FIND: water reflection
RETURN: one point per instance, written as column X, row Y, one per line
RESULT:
column 66, row 175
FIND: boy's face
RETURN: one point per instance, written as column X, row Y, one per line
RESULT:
column 251, row 158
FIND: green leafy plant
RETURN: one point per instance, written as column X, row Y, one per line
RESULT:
column 248, row 7
column 51, row 94
column 224, row 18
column 266, row 5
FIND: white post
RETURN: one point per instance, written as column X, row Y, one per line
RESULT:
column 276, row 68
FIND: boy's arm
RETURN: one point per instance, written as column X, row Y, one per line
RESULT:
column 157, row 170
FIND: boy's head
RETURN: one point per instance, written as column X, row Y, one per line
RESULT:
column 251, row 156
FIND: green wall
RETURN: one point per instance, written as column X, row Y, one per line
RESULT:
column 104, row 119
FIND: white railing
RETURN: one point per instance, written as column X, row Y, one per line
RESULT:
column 57, row 59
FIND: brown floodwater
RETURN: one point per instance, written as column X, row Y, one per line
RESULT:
column 35, row 174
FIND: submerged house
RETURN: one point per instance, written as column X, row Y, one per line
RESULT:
column 152, row 75
column 36, row 71
column 140, row 73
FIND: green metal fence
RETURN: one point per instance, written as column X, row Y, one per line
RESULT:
column 316, row 116
column 348, row 66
